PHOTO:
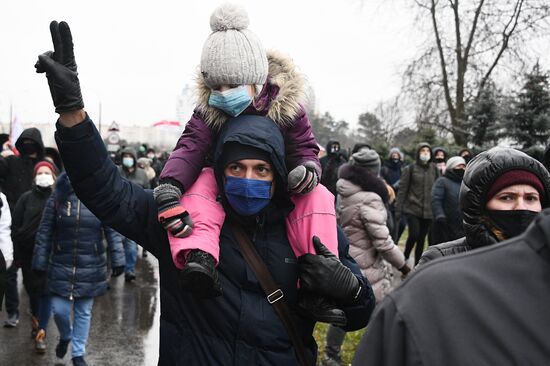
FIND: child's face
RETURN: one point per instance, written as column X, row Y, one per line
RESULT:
column 250, row 88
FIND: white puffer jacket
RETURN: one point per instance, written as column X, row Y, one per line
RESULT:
column 363, row 217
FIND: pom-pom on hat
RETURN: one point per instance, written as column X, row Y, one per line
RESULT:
column 514, row 177
column 232, row 54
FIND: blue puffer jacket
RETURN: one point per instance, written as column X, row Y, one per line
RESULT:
column 69, row 246
column 238, row 328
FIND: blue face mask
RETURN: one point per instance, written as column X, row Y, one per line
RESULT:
column 247, row 196
column 232, row 101
column 128, row 162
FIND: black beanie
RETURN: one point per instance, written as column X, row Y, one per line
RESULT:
column 234, row 151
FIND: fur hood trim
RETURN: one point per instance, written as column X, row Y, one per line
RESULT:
column 285, row 89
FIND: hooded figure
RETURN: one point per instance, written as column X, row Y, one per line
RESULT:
column 485, row 175
column 330, row 164
column 130, row 169
column 440, row 159
column 17, row 172
column 414, row 198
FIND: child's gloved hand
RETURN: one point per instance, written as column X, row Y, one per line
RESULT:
column 303, row 179
column 171, row 214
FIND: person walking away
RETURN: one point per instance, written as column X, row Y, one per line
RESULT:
column 445, row 205
column 25, row 222
column 362, row 200
column 414, row 199
column 135, row 174
column 75, row 263
column 16, row 178
column 502, row 191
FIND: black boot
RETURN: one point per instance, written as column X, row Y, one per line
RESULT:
column 200, row 276
column 321, row 309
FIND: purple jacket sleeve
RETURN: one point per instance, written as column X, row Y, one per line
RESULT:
column 187, row 159
column 300, row 144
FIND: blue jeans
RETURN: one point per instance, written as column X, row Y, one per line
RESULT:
column 131, row 252
column 78, row 332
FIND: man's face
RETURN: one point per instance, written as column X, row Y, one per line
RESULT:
column 334, row 148
column 251, row 169
column 440, row 155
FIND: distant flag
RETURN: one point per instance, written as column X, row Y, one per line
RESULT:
column 16, row 128
column 165, row 123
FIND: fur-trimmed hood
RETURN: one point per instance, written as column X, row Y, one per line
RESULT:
column 362, row 180
column 280, row 99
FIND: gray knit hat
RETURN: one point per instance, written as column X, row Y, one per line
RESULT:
column 232, row 54
column 454, row 161
column 367, row 158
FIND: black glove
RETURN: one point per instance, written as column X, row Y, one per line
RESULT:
column 325, row 275
column 117, row 271
column 60, row 69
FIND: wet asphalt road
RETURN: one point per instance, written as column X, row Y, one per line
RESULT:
column 124, row 329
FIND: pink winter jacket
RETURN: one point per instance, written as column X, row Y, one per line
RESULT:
column 363, row 217
column 314, row 214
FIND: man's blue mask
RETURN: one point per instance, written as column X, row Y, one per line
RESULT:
column 232, row 101
column 247, row 196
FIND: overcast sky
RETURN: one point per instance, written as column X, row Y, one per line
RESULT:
column 136, row 56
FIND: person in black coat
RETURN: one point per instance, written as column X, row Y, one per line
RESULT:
column 485, row 185
column 25, row 222
column 240, row 326
column 485, row 307
column 445, row 207
column 16, row 178
column 330, row 164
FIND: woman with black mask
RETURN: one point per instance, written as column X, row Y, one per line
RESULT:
column 502, row 192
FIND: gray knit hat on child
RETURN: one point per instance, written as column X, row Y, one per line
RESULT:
column 369, row 159
column 232, row 54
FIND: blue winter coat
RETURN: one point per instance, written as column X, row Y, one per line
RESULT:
column 238, row 328
column 69, row 246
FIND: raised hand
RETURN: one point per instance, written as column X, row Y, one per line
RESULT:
column 60, row 68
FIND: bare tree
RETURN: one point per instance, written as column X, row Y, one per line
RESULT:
column 468, row 41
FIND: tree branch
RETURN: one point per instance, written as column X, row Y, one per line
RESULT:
column 442, row 60
column 505, row 38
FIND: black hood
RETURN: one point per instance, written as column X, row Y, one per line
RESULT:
column 34, row 135
column 261, row 133
column 481, row 173
column 436, row 149
column 63, row 188
column 329, row 144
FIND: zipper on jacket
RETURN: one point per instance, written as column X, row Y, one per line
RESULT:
column 75, row 248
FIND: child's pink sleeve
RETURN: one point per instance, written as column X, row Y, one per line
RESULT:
column 208, row 217
column 186, row 161
column 314, row 214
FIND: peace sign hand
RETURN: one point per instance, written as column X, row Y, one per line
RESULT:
column 60, row 69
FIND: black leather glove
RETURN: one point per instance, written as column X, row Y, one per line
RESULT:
column 60, row 69
column 325, row 275
column 117, row 271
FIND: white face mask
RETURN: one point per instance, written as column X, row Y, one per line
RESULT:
column 44, row 180
column 425, row 157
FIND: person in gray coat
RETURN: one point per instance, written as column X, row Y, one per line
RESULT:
column 445, row 207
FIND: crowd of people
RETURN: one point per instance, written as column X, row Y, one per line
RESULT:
column 258, row 236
